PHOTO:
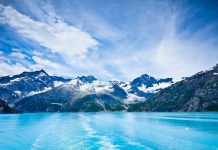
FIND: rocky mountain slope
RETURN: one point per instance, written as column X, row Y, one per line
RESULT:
column 196, row 93
column 27, row 84
column 5, row 108
column 76, row 95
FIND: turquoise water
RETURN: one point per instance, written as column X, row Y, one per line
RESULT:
column 77, row 131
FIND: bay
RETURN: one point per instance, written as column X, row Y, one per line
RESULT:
column 109, row 130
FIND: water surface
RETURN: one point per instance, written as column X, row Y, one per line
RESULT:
column 78, row 131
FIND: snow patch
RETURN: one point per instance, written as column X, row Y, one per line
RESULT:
column 125, row 86
column 103, row 88
column 94, row 87
column 37, row 92
column 86, row 88
column 11, row 81
column 18, row 92
column 154, row 88
column 74, row 82
column 132, row 98
column 41, row 74
column 57, row 104
column 16, row 79
column 57, row 83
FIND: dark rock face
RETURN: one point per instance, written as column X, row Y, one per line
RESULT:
column 87, row 79
column 118, row 92
column 196, row 93
column 8, row 95
column 5, row 108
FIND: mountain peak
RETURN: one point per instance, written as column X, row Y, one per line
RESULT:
column 143, row 79
column 87, row 79
column 148, row 83
column 43, row 71
column 215, row 67
column 146, row 76
column 34, row 73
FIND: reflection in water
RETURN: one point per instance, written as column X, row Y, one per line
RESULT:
column 109, row 131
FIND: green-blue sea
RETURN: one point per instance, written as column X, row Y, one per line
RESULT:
column 109, row 131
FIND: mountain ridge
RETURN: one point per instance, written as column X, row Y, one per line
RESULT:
column 27, row 83
column 196, row 93
column 38, row 91
column 87, row 93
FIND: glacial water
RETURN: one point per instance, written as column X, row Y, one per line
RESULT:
column 93, row 131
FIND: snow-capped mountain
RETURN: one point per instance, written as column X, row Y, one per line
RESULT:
column 27, row 84
column 135, row 91
column 38, row 91
column 95, row 86
column 144, row 87
column 196, row 93
column 77, row 95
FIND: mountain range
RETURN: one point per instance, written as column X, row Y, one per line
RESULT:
column 40, row 92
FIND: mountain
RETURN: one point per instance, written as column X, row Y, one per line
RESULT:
column 94, row 103
column 39, row 92
column 5, row 108
column 196, row 93
column 76, row 95
column 86, row 93
column 26, row 84
column 144, row 87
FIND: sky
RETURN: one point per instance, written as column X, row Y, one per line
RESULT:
column 110, row 39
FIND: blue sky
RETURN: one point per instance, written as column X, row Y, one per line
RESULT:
column 109, row 39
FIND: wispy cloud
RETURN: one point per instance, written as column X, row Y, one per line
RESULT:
column 114, row 40
column 8, row 67
column 18, row 55
column 58, row 36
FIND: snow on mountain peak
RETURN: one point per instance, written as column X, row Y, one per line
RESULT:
column 31, row 83
column 155, row 88
column 95, row 87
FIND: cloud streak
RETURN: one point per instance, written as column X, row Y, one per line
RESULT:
column 10, row 68
column 116, row 40
column 58, row 36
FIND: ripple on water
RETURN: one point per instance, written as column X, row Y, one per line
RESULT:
column 109, row 131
